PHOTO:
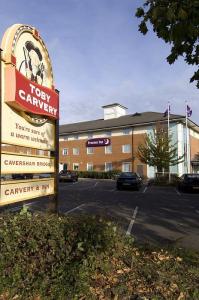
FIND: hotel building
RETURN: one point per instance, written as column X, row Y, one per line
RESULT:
column 125, row 133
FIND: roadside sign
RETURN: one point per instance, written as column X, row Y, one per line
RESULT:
column 29, row 115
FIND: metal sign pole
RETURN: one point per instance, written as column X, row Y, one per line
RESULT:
column 56, row 174
column 0, row 111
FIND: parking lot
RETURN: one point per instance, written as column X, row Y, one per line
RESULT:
column 160, row 215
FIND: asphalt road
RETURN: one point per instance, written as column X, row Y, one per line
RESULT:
column 160, row 215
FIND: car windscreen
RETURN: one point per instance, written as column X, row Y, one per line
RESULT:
column 128, row 175
column 192, row 177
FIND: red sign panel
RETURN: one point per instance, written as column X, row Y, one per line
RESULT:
column 31, row 97
column 98, row 142
column 35, row 98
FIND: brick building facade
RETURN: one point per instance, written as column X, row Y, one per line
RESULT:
column 125, row 132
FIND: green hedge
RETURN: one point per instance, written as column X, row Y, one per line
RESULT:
column 47, row 257
column 99, row 175
column 50, row 256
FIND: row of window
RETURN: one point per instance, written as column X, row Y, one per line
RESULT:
column 90, row 150
column 108, row 166
column 125, row 131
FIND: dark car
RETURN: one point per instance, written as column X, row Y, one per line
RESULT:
column 189, row 182
column 22, row 176
column 68, row 176
column 129, row 180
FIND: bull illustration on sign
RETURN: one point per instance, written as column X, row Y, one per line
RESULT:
column 32, row 66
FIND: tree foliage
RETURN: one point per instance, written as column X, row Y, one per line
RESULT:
column 177, row 23
column 158, row 150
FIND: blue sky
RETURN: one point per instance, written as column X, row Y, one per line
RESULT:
column 99, row 57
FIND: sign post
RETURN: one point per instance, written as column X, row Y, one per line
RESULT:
column 29, row 118
column 0, row 110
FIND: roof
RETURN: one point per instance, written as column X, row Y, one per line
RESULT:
column 137, row 119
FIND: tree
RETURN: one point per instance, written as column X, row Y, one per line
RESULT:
column 158, row 150
column 177, row 23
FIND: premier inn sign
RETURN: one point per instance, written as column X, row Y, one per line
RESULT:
column 98, row 142
column 29, row 115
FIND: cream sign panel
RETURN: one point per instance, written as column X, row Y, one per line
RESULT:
column 13, row 192
column 23, row 164
column 18, row 131
column 30, row 103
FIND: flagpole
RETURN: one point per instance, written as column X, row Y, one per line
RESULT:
column 186, row 148
column 168, row 109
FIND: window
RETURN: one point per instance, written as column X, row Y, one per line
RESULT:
column 140, row 170
column 76, row 137
column 75, row 166
column 65, row 151
column 90, row 150
column 65, row 138
column 90, row 135
column 75, row 151
column 108, row 166
column 126, row 167
column 89, row 166
column 126, row 148
column 108, row 149
column 108, row 133
column 126, row 131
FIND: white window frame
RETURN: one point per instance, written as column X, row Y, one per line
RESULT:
column 75, row 164
column 124, row 169
column 126, row 131
column 108, row 164
column 65, row 152
column 89, row 165
column 75, row 151
column 126, row 151
column 90, row 135
column 92, row 150
column 108, row 149
column 108, row 133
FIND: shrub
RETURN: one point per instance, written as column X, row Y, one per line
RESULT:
column 47, row 255
column 99, row 175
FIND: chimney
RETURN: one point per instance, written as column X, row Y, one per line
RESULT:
column 114, row 110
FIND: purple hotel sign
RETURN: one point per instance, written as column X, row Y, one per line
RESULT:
column 99, row 142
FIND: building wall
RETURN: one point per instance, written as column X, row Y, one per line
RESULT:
column 99, row 157
column 117, row 158
column 194, row 144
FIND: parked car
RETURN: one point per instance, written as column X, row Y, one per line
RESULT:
column 68, row 176
column 22, row 176
column 189, row 182
column 129, row 180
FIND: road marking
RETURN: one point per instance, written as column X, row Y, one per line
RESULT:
column 128, row 232
column 145, row 189
column 178, row 192
column 96, row 184
column 69, row 211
